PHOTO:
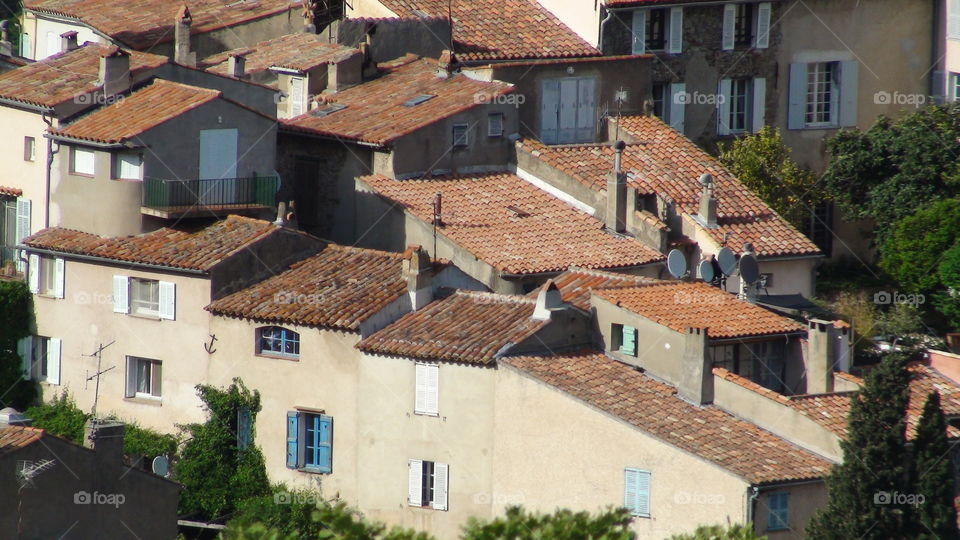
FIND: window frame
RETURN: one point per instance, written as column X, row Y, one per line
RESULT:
column 632, row 507
column 490, row 131
column 423, row 408
column 73, row 162
column 954, row 85
column 136, row 303
column 744, row 25
column 117, row 166
column 431, row 491
column 745, row 100
column 659, row 103
column 460, row 142
column 29, row 148
column 813, row 118
column 286, row 336
column 780, row 513
column 664, row 15
column 310, row 464
column 155, row 378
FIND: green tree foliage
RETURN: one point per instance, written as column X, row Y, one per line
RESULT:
column 934, row 474
column 518, row 524
column 762, row 162
column 141, row 441
column 918, row 244
column 720, row 532
column 874, row 458
column 61, row 417
column 16, row 318
column 216, row 474
column 947, row 301
column 896, row 167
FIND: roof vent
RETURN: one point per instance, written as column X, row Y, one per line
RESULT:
column 518, row 212
column 416, row 100
column 328, row 110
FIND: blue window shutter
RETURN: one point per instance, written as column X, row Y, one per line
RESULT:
column 636, row 491
column 292, row 432
column 849, row 74
column 643, row 493
column 629, row 340
column 325, row 444
column 797, row 97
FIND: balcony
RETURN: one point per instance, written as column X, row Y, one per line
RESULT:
column 171, row 199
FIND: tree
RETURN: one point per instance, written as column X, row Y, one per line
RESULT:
column 60, row 417
column 762, row 162
column 934, row 474
column 874, row 458
column 918, row 245
column 16, row 318
column 947, row 301
column 517, row 524
column 719, row 532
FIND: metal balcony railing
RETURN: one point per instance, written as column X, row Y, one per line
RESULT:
column 250, row 192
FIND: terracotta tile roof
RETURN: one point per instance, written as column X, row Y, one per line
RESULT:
column 300, row 51
column 738, row 446
column 64, row 76
column 849, row 377
column 661, row 160
column 466, row 326
column 492, row 30
column 638, row 3
column 201, row 250
column 10, row 192
column 143, row 110
column 340, row 287
column 512, row 225
column 146, row 23
column 576, row 285
column 678, row 305
column 17, row 437
column 375, row 111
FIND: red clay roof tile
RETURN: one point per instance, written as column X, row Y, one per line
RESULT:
column 577, row 285
column 17, row 437
column 10, row 192
column 301, row 51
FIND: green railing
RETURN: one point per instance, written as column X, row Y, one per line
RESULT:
column 251, row 191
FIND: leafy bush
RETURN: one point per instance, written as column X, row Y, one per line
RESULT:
column 61, row 417
column 141, row 441
column 518, row 524
column 719, row 532
column 16, row 318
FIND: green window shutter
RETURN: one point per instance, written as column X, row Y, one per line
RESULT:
column 629, row 341
column 292, row 433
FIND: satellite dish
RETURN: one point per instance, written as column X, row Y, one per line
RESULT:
column 749, row 269
column 161, row 465
column 706, row 271
column 727, row 261
column 676, row 263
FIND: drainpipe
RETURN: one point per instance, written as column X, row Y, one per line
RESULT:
column 753, row 492
column 50, row 153
column 602, row 24
column 935, row 58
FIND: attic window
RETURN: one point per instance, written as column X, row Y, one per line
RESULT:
column 416, row 100
column 328, row 110
column 518, row 212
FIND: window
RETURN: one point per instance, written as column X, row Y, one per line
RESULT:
column 778, row 517
column 739, row 103
column 743, row 25
column 309, row 441
column 128, row 166
column 146, row 297
column 954, row 89
column 46, row 275
column 636, row 491
column 29, row 149
column 742, row 107
column 427, row 389
column 82, row 161
column 819, row 227
column 568, row 110
column 143, row 378
column 724, row 356
column 746, row 25
column 658, row 29
column 460, row 135
column 657, row 93
column 769, row 364
column 277, row 341
column 821, row 93
column 40, row 358
column 428, row 483
column 495, row 125
column 624, row 339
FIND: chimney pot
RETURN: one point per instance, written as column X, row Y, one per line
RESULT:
column 236, row 66
column 447, row 65
column 68, row 41
column 708, row 203
column 417, row 270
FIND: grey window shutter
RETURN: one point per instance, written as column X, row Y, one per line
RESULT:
column 797, row 98
column 639, row 31
column 849, row 74
column 549, row 111
column 938, row 85
column 678, row 104
column 759, row 103
column 724, row 96
column 131, row 377
column 676, row 30
column 729, row 26
column 763, row 25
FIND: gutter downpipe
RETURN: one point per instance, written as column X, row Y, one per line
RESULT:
column 602, row 24
column 50, row 153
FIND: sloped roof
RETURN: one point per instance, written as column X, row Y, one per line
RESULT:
column 301, row 51
column 679, row 305
column 493, row 30
column 146, row 23
column 377, row 111
column 201, row 250
column 17, row 437
column 576, row 285
column 340, row 287
column 64, row 76
column 512, row 225
column 624, row 392
column 10, row 191
column 466, row 326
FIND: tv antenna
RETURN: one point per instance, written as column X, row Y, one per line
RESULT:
column 96, row 392
column 676, row 264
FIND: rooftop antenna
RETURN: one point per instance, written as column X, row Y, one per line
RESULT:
column 620, row 97
column 450, row 22
column 27, row 472
column 96, row 392
column 677, row 264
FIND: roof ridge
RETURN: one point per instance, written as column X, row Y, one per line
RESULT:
column 506, row 298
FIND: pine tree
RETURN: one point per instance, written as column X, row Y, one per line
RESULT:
column 873, row 467
column 934, row 476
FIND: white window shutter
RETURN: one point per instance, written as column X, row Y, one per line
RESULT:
column 168, row 300
column 849, row 74
column 797, row 98
column 415, row 476
column 550, row 111
column 643, row 493
column 34, row 273
column 441, row 479
column 54, row 347
column 25, row 350
column 433, row 389
column 758, row 119
column 586, row 110
column 58, row 277
column 121, row 292
column 296, row 96
column 22, row 225
column 639, row 31
column 723, row 107
column 420, row 402
column 131, row 389
column 729, row 26
column 630, row 478
column 676, row 30
column 678, row 105
column 763, row 25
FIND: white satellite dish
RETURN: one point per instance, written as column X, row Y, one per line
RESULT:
column 676, row 263
column 727, row 261
column 749, row 269
column 705, row 270
column 161, row 465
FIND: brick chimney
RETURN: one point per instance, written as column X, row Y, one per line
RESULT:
column 181, row 38
column 417, row 270
column 696, row 372
column 236, row 66
column 548, row 301
column 68, row 41
column 708, row 203
column 6, row 46
column 114, row 71
column 447, row 65
column 616, row 216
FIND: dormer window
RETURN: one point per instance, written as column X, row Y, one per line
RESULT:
column 278, row 341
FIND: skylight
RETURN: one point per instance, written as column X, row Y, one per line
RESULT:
column 416, row 100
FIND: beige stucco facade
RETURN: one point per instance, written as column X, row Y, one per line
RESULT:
column 26, row 175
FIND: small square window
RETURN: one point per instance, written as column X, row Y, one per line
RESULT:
column 495, row 125
column 278, row 341
column 145, row 297
column 778, row 517
column 82, row 161
column 29, row 149
column 143, row 377
column 127, row 166
column 461, row 135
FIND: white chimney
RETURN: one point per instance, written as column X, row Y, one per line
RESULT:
column 68, row 41
column 616, row 216
column 181, row 38
column 548, row 301
column 114, row 71
column 708, row 202
column 417, row 270
column 236, row 66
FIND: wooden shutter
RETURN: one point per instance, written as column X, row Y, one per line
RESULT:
column 759, row 102
column 676, row 30
column 797, row 98
column 569, row 100
column 643, row 493
column 25, row 350
column 22, row 226
column 414, row 477
column 325, row 445
column 54, row 347
column 131, row 377
column 677, row 105
column 849, row 75
column 293, row 451
column 58, row 276
column 441, row 478
column 156, row 378
column 296, row 96
column 729, row 26
column 550, row 111
column 168, row 300
column 639, row 31
column 420, row 402
column 763, row 25
column 432, row 404
column 34, row 273
column 586, row 109
column 724, row 97
column 630, row 478
column 636, row 491
column 629, row 340
column 121, row 294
